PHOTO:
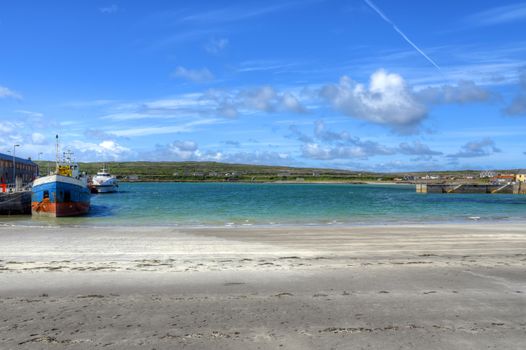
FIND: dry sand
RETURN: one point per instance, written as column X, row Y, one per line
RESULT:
column 385, row 287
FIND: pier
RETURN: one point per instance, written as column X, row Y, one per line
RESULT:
column 15, row 203
column 16, row 176
column 508, row 188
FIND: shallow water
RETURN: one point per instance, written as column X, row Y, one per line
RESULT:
column 236, row 204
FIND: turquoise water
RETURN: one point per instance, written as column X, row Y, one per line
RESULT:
column 225, row 204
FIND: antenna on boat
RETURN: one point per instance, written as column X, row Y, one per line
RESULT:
column 68, row 156
column 57, row 152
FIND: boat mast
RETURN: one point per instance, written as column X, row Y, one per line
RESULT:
column 56, row 154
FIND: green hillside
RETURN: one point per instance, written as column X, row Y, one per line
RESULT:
column 213, row 171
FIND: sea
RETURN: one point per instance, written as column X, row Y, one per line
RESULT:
column 242, row 204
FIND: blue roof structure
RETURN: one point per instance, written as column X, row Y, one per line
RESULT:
column 18, row 160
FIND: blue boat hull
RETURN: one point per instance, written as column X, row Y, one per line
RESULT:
column 59, row 196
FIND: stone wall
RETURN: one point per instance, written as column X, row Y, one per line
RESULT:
column 465, row 188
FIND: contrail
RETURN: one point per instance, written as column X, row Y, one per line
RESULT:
column 385, row 18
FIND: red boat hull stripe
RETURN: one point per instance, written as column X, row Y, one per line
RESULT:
column 47, row 208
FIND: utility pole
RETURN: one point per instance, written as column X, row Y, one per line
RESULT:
column 14, row 164
column 38, row 169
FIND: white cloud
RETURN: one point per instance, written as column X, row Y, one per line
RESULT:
column 30, row 113
column 421, row 151
column 216, row 46
column 104, row 149
column 480, row 148
column 267, row 99
column 196, row 75
column 319, row 152
column 183, row 101
column 108, row 10
column 87, row 104
column 330, row 145
column 167, row 129
column 499, row 15
column 264, row 65
column 188, row 150
column 259, row 157
column 315, row 151
column 113, row 147
column 97, row 134
column 417, row 148
column 7, row 127
column 6, row 92
column 210, row 103
column 326, row 144
column 518, row 104
column 11, row 133
column 127, row 116
column 387, row 101
column 322, row 133
column 291, row 103
column 234, row 13
column 464, row 92
column 184, row 150
column 180, row 106
column 38, row 138
column 261, row 98
column 227, row 110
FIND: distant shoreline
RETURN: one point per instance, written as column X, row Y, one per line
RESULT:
column 325, row 182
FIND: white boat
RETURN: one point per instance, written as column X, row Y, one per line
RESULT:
column 104, row 182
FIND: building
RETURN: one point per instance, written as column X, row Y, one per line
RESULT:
column 487, row 174
column 504, row 178
column 430, row 177
column 521, row 176
column 26, row 170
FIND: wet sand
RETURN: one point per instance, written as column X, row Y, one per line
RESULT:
column 385, row 287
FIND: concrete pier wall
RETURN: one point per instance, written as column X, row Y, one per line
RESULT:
column 15, row 203
column 470, row 188
column 519, row 188
column 421, row 188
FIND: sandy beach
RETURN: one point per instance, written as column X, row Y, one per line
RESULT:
column 371, row 287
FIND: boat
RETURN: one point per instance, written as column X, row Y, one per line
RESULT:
column 63, row 193
column 104, row 182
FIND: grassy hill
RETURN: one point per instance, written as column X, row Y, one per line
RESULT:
column 214, row 171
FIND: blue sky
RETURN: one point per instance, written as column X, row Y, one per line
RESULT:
column 357, row 84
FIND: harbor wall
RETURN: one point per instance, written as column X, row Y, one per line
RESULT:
column 421, row 188
column 15, row 203
column 519, row 188
column 471, row 188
